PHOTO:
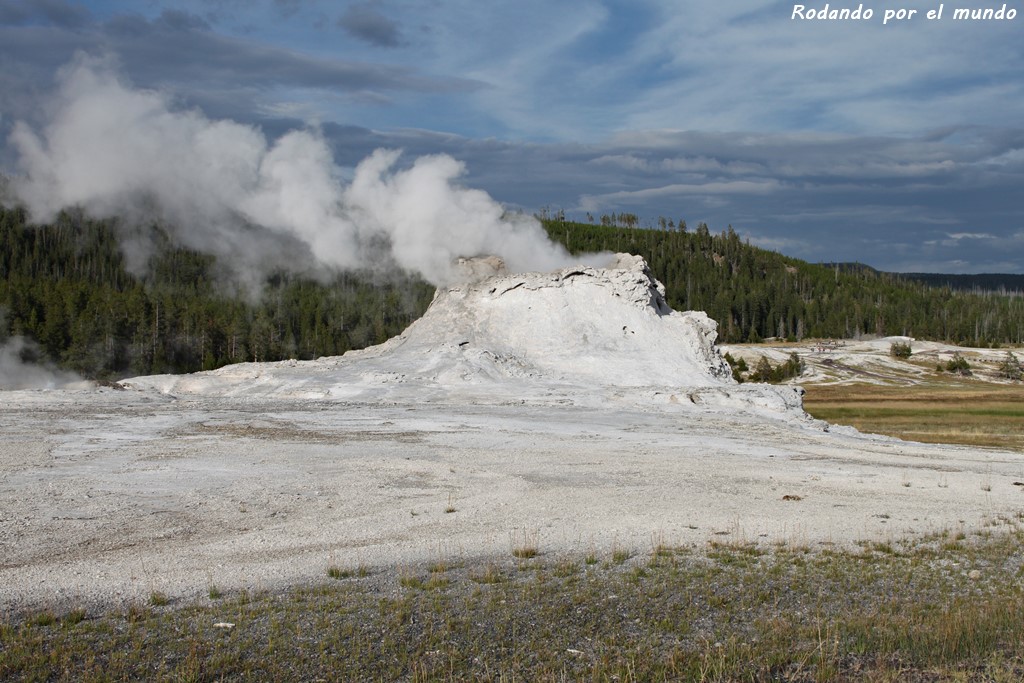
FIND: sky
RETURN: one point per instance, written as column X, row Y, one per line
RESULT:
column 899, row 143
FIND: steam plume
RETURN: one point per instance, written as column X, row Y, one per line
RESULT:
column 18, row 373
column 222, row 187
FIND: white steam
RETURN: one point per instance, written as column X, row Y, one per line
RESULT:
column 18, row 373
column 222, row 187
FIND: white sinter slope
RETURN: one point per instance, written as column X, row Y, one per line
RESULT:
column 578, row 334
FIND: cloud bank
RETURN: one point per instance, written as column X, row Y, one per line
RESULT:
column 223, row 187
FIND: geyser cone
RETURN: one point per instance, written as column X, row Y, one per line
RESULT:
column 579, row 335
column 595, row 326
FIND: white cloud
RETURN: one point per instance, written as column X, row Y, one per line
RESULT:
column 736, row 187
column 970, row 236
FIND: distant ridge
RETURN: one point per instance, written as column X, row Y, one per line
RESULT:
column 984, row 282
column 852, row 267
column 1002, row 283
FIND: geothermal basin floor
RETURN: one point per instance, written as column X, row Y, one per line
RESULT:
column 111, row 495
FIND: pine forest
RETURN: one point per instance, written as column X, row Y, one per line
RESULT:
column 66, row 287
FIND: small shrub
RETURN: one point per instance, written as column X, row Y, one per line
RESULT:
column 793, row 367
column 1010, row 368
column 900, row 350
column 958, row 365
column 762, row 371
column 738, row 366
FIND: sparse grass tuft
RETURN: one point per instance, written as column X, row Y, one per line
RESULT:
column 525, row 544
column 216, row 593
column 159, row 599
column 43, row 618
column 662, row 551
column 73, row 617
column 336, row 572
column 884, row 547
column 566, row 567
column 488, row 574
column 434, row 581
column 620, row 555
column 136, row 612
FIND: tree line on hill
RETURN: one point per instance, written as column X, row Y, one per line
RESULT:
column 66, row 287
column 755, row 294
column 977, row 283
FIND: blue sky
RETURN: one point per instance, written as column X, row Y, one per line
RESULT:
column 900, row 145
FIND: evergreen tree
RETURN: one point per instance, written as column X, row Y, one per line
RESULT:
column 1010, row 368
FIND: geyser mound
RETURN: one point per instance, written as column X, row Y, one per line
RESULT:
column 608, row 327
column 578, row 335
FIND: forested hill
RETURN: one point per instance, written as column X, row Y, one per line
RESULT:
column 65, row 286
column 754, row 293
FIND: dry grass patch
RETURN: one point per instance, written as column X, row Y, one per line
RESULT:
column 525, row 544
column 943, row 607
column 953, row 412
